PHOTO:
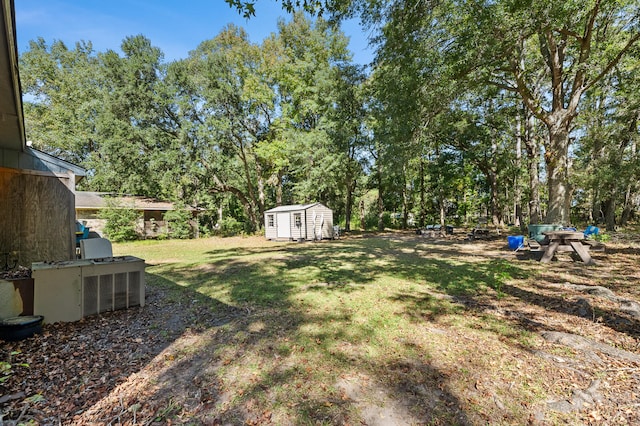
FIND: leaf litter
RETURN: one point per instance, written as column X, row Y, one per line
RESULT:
column 185, row 361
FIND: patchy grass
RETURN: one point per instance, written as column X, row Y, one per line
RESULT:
column 418, row 327
column 385, row 329
column 381, row 308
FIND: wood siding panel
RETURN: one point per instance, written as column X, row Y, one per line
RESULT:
column 314, row 215
column 307, row 218
column 10, row 217
column 37, row 217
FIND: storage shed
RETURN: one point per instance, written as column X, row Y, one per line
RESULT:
column 299, row 222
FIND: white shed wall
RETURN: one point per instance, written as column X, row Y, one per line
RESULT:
column 270, row 229
column 319, row 222
column 316, row 218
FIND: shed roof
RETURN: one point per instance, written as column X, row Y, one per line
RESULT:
column 291, row 207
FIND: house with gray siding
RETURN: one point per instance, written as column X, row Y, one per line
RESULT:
column 299, row 222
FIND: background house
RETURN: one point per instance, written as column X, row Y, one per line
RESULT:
column 151, row 222
column 299, row 222
column 37, row 217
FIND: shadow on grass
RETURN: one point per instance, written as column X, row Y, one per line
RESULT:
column 287, row 375
column 246, row 308
column 264, row 291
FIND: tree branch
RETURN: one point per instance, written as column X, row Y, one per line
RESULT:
column 613, row 62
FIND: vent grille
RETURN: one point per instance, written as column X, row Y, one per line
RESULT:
column 90, row 302
column 106, row 293
column 120, row 291
column 109, row 292
column 135, row 290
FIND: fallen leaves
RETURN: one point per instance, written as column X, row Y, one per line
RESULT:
column 73, row 365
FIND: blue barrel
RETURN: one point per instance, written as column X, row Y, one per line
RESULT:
column 515, row 241
column 591, row 230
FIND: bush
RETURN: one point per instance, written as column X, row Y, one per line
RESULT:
column 178, row 225
column 229, row 227
column 371, row 220
column 121, row 222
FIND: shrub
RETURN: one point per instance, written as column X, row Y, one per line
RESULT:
column 178, row 225
column 229, row 227
column 121, row 222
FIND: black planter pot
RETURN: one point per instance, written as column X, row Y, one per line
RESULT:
column 19, row 328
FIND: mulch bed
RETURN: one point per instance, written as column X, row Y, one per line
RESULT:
column 63, row 371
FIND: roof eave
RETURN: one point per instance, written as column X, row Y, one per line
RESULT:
column 10, row 37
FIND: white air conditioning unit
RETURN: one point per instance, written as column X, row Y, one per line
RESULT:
column 69, row 291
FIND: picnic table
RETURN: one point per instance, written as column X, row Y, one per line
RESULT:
column 566, row 241
column 479, row 233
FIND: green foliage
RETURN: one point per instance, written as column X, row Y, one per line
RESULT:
column 178, row 222
column 121, row 222
column 6, row 367
column 436, row 126
column 230, row 227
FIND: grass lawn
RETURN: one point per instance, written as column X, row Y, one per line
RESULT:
column 381, row 329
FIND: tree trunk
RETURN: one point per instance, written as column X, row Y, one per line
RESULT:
column 362, row 215
column 517, row 190
column 423, row 211
column 628, row 207
column 380, row 211
column 556, row 159
column 405, row 198
column 496, row 210
column 279, row 189
column 533, row 161
column 348, row 205
column 595, row 213
column 261, row 199
column 630, row 193
column 610, row 213
column 380, row 201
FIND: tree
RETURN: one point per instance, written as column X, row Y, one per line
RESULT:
column 506, row 43
column 120, row 221
column 136, row 126
column 608, row 147
column 63, row 98
column 577, row 43
column 348, row 132
column 230, row 104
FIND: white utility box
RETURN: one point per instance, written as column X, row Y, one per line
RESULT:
column 72, row 290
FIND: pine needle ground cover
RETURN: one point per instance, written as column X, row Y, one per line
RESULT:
column 370, row 329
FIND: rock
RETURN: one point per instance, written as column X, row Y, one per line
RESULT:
column 583, row 344
column 578, row 399
column 585, row 310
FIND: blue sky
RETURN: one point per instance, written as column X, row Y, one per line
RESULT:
column 175, row 26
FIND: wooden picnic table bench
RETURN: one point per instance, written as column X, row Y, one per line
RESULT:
column 566, row 241
column 477, row 233
column 534, row 245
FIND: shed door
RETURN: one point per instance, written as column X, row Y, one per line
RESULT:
column 284, row 225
